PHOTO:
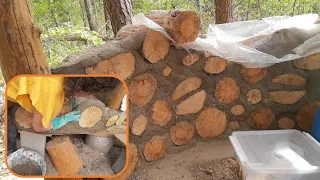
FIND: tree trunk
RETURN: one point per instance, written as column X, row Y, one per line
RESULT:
column 91, row 17
column 223, row 11
column 106, row 15
column 119, row 13
column 83, row 13
column 20, row 48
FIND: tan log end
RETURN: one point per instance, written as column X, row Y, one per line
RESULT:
column 167, row 71
column 185, row 87
column 181, row 133
column 234, row 125
column 227, row 90
column 237, row 110
column 155, row 148
column 306, row 116
column 286, row 123
column 211, row 122
column 215, row 65
column 90, row 116
column 23, row 118
column 253, row 75
column 190, row 59
column 254, row 96
column 142, row 89
column 290, row 79
column 155, row 46
column 63, row 155
column 122, row 65
column 261, row 118
column 139, row 125
column 287, row 97
column 161, row 112
column 311, row 62
column 192, row 104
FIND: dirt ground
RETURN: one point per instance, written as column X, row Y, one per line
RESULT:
column 206, row 160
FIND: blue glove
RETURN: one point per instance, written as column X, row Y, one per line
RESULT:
column 72, row 116
column 316, row 126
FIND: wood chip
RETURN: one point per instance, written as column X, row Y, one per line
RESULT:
column 227, row 90
column 192, row 104
column 306, row 116
column 237, row 110
column 215, row 65
column 155, row 46
column 161, row 112
column 190, row 59
column 181, row 133
column 211, row 122
column 261, row 118
column 290, row 79
column 113, row 119
column 122, row 117
column 155, row 148
column 23, row 118
column 185, row 87
column 142, row 89
column 167, row 71
column 234, row 125
column 254, row 96
column 139, row 125
column 287, row 97
column 122, row 65
column 286, row 123
column 253, row 75
column 90, row 117
column 311, row 62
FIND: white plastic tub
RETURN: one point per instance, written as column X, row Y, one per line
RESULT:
column 277, row 155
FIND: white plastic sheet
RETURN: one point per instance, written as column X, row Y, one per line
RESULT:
column 257, row 43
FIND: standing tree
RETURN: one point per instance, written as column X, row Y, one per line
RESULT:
column 91, row 17
column 20, row 48
column 223, row 11
column 106, row 14
column 119, row 13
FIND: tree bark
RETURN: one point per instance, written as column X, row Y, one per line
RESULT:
column 83, row 13
column 119, row 13
column 20, row 48
column 106, row 15
column 91, row 17
column 223, row 11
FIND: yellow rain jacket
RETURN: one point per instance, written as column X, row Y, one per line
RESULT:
column 43, row 93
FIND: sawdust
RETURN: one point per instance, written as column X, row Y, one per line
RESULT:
column 94, row 162
column 29, row 168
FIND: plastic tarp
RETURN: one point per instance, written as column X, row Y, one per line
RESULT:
column 256, row 43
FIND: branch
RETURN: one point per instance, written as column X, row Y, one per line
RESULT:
column 71, row 38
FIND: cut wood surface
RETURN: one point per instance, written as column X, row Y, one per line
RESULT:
column 155, row 148
column 215, row 65
column 129, row 30
column 132, row 162
column 139, row 125
column 122, row 65
column 90, row 117
column 234, row 125
column 182, row 25
column 261, row 118
column 142, row 89
column 116, row 96
column 73, row 127
column 155, row 46
column 211, row 122
column 167, row 71
column 161, row 112
column 181, row 133
column 286, row 123
column 190, row 59
column 311, row 62
column 290, row 79
column 253, row 75
column 112, row 120
column 227, row 90
column 24, row 118
column 185, row 87
column 237, row 110
column 63, row 155
column 287, row 97
column 192, row 104
column 254, row 96
column 306, row 116
column 121, row 119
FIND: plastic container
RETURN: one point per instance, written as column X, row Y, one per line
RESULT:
column 277, row 155
column 316, row 126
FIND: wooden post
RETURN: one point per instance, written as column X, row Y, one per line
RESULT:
column 20, row 48
column 63, row 155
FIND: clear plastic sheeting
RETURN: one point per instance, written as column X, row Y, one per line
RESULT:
column 257, row 43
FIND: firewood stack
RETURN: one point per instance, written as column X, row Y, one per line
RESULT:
column 173, row 92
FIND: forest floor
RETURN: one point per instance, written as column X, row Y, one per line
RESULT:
column 206, row 160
